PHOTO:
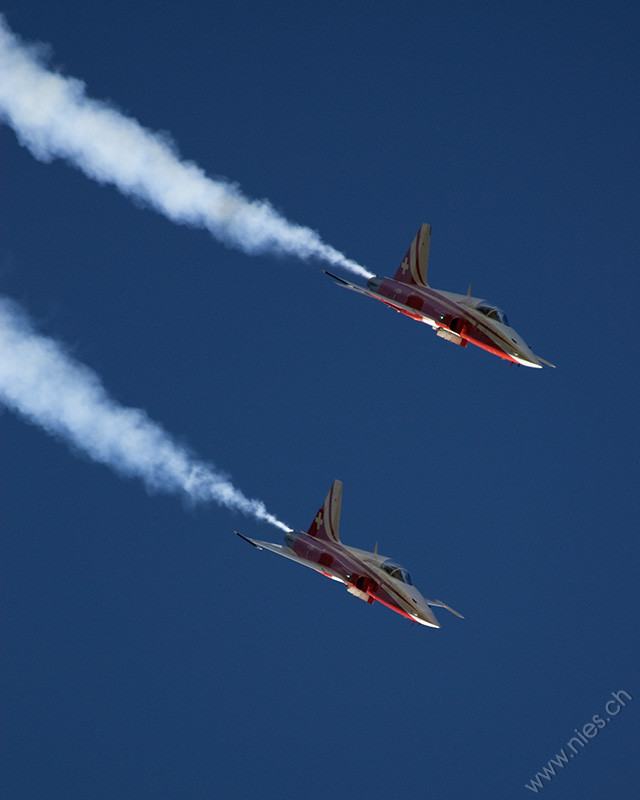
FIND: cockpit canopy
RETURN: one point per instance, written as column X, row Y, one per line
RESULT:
column 493, row 313
column 396, row 571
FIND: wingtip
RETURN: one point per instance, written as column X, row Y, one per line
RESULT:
column 440, row 604
column 246, row 538
column 335, row 277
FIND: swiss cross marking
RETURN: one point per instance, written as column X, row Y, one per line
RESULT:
column 319, row 519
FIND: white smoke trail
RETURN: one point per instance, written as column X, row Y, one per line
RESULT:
column 44, row 384
column 52, row 116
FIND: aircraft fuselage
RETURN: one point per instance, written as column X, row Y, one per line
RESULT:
column 458, row 318
column 361, row 571
column 368, row 576
column 456, row 314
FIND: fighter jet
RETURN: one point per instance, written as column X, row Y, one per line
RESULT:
column 457, row 318
column 366, row 575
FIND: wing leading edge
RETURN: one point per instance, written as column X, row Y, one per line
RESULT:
column 287, row 552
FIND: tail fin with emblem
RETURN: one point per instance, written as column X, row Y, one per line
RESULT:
column 326, row 523
column 413, row 269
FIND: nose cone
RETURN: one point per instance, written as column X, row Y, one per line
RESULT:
column 528, row 360
column 425, row 616
column 523, row 354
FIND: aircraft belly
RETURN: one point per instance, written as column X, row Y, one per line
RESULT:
column 416, row 314
column 389, row 602
column 485, row 342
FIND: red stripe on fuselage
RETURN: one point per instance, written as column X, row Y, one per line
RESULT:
column 393, row 607
column 345, row 563
column 437, row 304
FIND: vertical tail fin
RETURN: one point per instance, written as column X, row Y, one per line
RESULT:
column 413, row 269
column 326, row 524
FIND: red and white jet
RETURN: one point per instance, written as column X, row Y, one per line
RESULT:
column 457, row 318
column 366, row 575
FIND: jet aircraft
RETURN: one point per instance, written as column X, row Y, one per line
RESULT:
column 366, row 575
column 457, row 318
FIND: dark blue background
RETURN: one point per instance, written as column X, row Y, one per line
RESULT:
column 147, row 652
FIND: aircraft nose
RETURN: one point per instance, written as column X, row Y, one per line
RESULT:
column 531, row 362
column 425, row 616
column 526, row 357
column 430, row 621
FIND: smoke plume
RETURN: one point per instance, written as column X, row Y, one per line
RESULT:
column 53, row 117
column 40, row 381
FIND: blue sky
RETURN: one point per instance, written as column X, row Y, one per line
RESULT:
column 148, row 652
